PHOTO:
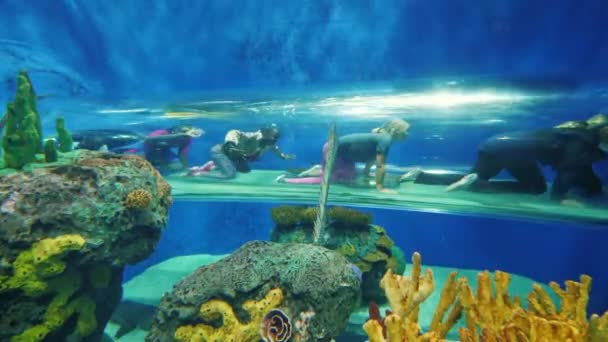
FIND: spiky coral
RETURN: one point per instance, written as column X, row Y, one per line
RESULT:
column 231, row 329
column 138, row 199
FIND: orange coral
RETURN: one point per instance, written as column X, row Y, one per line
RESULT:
column 138, row 199
column 490, row 315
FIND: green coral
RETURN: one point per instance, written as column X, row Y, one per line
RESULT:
column 23, row 132
column 63, row 136
column 50, row 151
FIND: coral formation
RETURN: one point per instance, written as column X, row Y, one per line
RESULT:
column 50, row 151
column 350, row 234
column 64, row 138
column 23, row 132
column 290, row 216
column 498, row 317
column 66, row 236
column 43, row 260
column 138, row 199
column 489, row 317
column 231, row 329
column 318, row 285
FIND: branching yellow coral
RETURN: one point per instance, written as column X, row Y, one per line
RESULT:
column 489, row 316
column 232, row 330
column 43, row 260
column 139, row 199
column 543, row 321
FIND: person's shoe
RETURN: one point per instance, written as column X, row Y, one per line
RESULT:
column 411, row 175
column 280, row 179
column 463, row 182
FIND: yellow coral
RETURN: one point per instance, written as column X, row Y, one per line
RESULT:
column 43, row 260
column 384, row 241
column 405, row 294
column 139, row 199
column 375, row 256
column 61, row 308
column 489, row 317
column 232, row 329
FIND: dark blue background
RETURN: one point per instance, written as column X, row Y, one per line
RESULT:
column 142, row 47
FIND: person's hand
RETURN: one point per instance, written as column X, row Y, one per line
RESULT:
column 195, row 132
column 288, row 156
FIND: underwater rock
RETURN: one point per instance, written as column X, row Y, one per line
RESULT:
column 351, row 234
column 66, row 235
column 314, row 287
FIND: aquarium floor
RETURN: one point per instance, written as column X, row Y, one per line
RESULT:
column 149, row 286
column 259, row 185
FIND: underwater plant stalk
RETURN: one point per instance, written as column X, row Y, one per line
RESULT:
column 329, row 166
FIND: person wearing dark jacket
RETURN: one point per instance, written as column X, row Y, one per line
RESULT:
column 571, row 152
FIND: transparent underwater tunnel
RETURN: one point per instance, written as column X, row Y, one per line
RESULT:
column 98, row 244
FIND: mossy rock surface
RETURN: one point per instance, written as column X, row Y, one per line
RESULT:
column 310, row 277
column 67, row 223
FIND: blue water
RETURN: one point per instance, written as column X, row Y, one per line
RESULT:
column 543, row 62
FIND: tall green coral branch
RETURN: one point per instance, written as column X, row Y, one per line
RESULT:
column 23, row 131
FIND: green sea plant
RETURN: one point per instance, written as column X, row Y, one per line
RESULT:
column 63, row 136
column 50, row 151
column 23, row 132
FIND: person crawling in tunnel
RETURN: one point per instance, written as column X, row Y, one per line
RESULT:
column 238, row 150
column 369, row 148
column 570, row 149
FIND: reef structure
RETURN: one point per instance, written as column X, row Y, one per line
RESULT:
column 68, row 230
column 279, row 292
column 490, row 315
column 350, row 233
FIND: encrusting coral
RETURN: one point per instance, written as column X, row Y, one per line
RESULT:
column 231, row 330
column 489, row 316
column 39, row 271
column 43, row 260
